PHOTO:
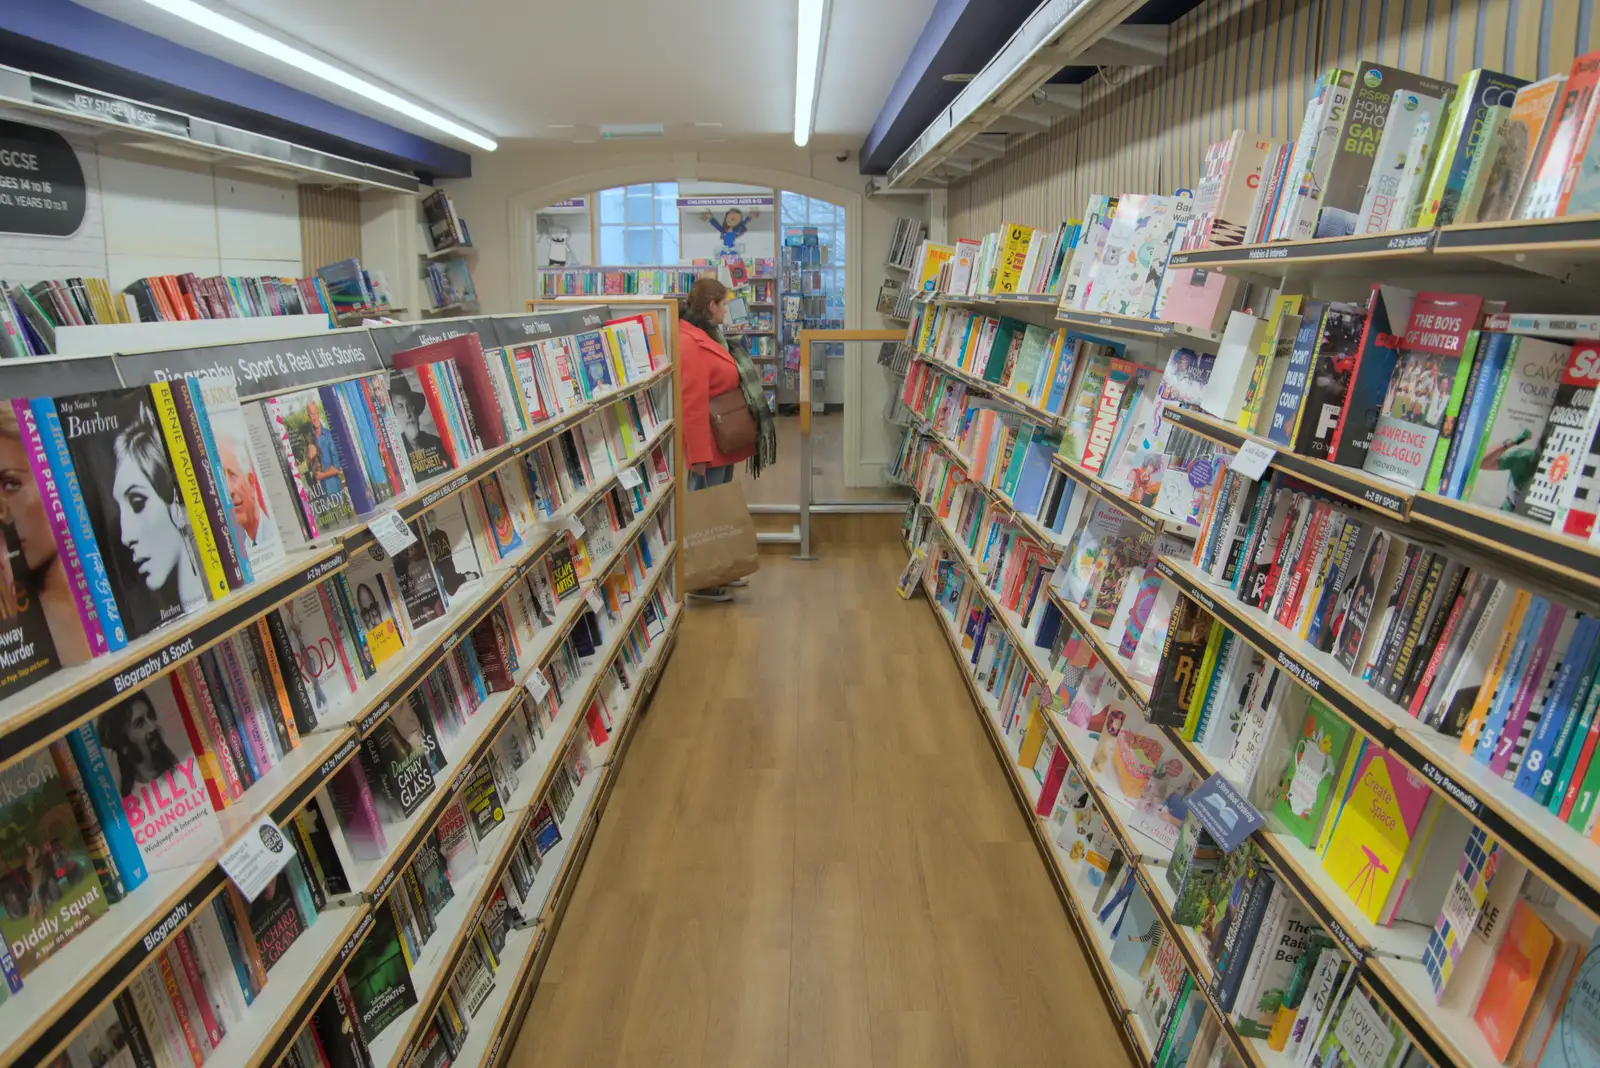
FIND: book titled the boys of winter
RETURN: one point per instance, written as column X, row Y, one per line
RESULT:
column 49, row 891
column 1420, row 389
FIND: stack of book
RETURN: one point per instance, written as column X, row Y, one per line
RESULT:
column 353, row 290
column 450, row 284
column 908, row 234
column 445, row 228
column 617, row 281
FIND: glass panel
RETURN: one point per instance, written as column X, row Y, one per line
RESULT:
column 868, row 476
column 611, row 205
column 667, row 205
column 640, row 204
column 612, row 252
column 669, row 244
column 641, row 245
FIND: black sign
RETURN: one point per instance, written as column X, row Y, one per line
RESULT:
column 58, row 377
column 403, row 336
column 521, row 329
column 107, row 108
column 261, row 368
column 41, row 182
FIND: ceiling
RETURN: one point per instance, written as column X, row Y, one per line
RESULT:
column 536, row 69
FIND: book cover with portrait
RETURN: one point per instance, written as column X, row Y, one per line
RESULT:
column 419, row 585
column 311, row 451
column 369, row 583
column 135, row 510
column 449, row 537
column 27, row 650
column 154, row 771
column 231, row 435
column 379, row 979
column 419, row 431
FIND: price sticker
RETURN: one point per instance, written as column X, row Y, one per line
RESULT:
column 256, row 858
column 629, row 477
column 594, row 601
column 1252, row 459
column 392, row 532
column 538, row 686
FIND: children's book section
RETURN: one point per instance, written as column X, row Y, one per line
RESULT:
column 1265, row 537
column 316, row 660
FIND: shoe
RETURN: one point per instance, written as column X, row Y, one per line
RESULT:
column 741, row 582
column 715, row 593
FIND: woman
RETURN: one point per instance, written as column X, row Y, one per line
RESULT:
column 710, row 370
column 45, row 574
column 153, row 522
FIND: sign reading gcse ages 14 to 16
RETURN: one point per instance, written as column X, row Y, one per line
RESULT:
column 41, row 182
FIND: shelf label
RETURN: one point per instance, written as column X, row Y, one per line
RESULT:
column 538, row 686
column 256, row 858
column 1433, row 774
column 629, row 477
column 1252, row 460
column 1387, row 501
column 1225, row 813
column 392, row 532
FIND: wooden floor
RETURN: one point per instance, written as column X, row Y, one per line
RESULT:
column 812, row 858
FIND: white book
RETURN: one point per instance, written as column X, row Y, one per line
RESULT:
column 1096, row 223
column 1030, row 262
column 964, row 261
column 1225, row 390
column 1245, row 689
column 1314, row 153
column 1314, row 1005
column 1273, row 922
column 1408, row 111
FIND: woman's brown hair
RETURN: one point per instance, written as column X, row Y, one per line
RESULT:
column 696, row 307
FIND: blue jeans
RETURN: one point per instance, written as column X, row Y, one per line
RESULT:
column 714, row 476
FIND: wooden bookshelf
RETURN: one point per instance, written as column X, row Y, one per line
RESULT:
column 73, row 986
column 1047, row 540
column 1151, row 520
column 992, row 390
column 1566, row 859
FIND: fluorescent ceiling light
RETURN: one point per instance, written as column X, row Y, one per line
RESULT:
column 813, row 39
column 239, row 33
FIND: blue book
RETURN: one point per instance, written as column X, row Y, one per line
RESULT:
column 1062, row 380
column 594, row 362
column 1033, row 475
column 72, row 502
column 1506, row 685
column 1280, row 429
column 362, row 417
column 355, row 479
column 1573, row 731
column 107, row 805
column 214, row 457
column 230, row 938
column 1492, row 354
column 1070, row 486
column 1539, row 763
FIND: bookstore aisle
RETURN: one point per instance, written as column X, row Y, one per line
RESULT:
column 811, row 858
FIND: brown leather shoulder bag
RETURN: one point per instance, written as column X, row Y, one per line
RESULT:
column 732, row 426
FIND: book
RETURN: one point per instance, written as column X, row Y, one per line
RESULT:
column 1572, row 1041
column 1314, row 150
column 1321, row 746
column 1508, row 452
column 1352, row 168
column 1402, row 146
column 1383, row 820
column 51, row 891
column 398, row 771
column 379, row 980
column 130, row 492
column 310, row 455
column 1463, row 138
column 1567, row 455
column 1534, row 942
column 1521, row 147
column 1328, row 379
column 1570, row 125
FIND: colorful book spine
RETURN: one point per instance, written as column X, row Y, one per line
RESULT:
column 47, row 423
column 106, row 801
column 208, row 448
column 183, row 470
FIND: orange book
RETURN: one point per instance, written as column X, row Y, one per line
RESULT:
column 1524, row 956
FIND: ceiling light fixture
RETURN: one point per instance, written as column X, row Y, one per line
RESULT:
column 812, row 42
column 239, row 33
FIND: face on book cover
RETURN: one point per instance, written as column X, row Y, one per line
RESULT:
column 242, row 487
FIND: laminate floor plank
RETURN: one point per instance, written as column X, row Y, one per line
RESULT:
column 811, row 859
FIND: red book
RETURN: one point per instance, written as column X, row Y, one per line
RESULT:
column 472, row 367
column 597, row 728
column 1375, row 361
column 184, row 943
column 169, row 982
column 1303, row 563
column 1052, row 782
column 200, row 739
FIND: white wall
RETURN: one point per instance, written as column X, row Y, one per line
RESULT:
column 158, row 214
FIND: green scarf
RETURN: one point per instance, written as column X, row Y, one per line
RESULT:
column 755, row 398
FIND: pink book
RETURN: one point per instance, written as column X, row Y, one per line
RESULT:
column 245, row 708
column 1528, row 689
column 1052, row 782
column 1201, row 299
column 77, row 581
column 352, row 799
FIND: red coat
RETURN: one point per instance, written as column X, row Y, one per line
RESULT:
column 708, row 371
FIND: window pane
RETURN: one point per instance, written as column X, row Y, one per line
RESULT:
column 612, row 252
column 669, row 244
column 640, row 245
column 667, row 202
column 610, row 206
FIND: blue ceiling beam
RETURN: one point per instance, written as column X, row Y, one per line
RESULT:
column 64, row 40
column 959, row 38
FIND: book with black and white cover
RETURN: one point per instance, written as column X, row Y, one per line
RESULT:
column 231, row 432
column 448, row 534
column 419, row 585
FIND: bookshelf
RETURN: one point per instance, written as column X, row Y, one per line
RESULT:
column 624, row 610
column 996, row 574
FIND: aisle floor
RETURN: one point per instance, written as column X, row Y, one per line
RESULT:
column 812, row 858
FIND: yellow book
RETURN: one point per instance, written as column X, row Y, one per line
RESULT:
column 1497, row 666
column 1032, row 738
column 1388, row 807
column 1341, row 789
column 1208, row 666
column 1273, row 342
column 1014, row 240
column 205, row 539
column 934, row 257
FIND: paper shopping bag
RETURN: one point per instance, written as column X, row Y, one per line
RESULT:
column 719, row 537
